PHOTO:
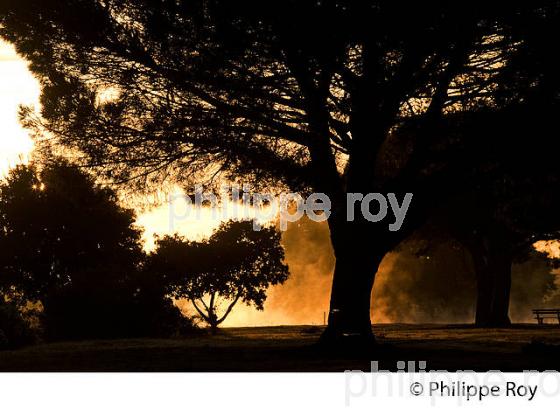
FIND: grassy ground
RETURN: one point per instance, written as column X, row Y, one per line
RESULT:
column 292, row 348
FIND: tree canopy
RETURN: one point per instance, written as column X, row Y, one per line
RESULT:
column 286, row 90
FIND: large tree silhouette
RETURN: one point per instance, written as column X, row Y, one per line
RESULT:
column 515, row 205
column 333, row 96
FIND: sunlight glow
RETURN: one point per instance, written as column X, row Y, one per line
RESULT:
column 17, row 86
column 177, row 216
column 550, row 248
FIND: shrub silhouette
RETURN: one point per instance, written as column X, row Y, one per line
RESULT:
column 68, row 244
column 15, row 331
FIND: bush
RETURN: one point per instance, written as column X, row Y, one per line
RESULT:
column 110, row 313
column 15, row 330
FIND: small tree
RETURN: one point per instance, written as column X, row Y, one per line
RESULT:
column 235, row 263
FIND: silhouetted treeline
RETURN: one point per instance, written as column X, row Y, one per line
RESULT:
column 72, row 256
column 440, row 99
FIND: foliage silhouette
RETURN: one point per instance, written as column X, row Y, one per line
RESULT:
column 235, row 264
column 15, row 330
column 68, row 244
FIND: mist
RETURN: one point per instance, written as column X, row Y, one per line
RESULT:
column 439, row 288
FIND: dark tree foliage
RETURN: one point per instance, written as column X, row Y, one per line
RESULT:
column 336, row 96
column 56, row 224
column 512, row 198
column 235, row 264
column 15, row 329
column 67, row 243
column 511, row 204
column 515, row 195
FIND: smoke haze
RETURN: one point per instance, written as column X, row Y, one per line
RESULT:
column 439, row 288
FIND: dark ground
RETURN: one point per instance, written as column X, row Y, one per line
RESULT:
column 292, row 348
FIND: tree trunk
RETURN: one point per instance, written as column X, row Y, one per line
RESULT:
column 358, row 251
column 349, row 313
column 501, row 270
column 484, row 287
column 359, row 245
column 492, row 262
